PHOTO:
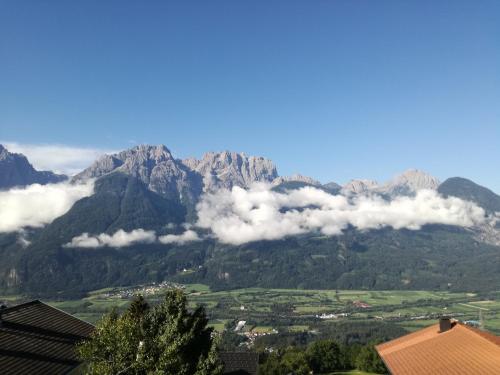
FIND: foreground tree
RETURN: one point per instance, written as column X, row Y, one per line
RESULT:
column 324, row 356
column 368, row 360
column 164, row 339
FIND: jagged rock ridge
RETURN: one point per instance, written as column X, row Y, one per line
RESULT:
column 296, row 178
column 154, row 166
column 227, row 169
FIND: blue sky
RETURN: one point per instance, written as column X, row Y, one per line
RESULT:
column 331, row 89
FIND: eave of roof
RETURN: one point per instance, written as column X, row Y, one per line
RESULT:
column 38, row 338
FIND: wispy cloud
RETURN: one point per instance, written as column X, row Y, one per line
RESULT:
column 119, row 239
column 122, row 238
column 239, row 216
column 37, row 205
column 55, row 157
column 188, row 236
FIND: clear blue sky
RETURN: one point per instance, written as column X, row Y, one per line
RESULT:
column 331, row 89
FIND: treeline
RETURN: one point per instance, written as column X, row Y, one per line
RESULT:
column 321, row 357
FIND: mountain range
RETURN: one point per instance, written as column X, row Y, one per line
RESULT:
column 147, row 188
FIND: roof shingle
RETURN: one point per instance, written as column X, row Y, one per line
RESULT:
column 38, row 338
column 460, row 350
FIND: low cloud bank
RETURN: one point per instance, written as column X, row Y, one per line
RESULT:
column 188, row 236
column 122, row 238
column 37, row 205
column 239, row 216
column 58, row 158
column 119, row 239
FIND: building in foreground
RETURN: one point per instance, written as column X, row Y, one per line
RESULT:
column 449, row 347
column 36, row 338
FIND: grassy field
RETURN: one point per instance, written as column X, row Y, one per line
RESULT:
column 410, row 309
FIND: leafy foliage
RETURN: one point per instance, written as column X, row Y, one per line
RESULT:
column 163, row 339
column 369, row 360
column 321, row 357
column 324, row 356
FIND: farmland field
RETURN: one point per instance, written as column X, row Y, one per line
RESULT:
column 295, row 310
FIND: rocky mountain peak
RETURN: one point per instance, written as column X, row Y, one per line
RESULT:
column 359, row 186
column 227, row 169
column 16, row 170
column 154, row 166
column 296, row 178
column 410, row 182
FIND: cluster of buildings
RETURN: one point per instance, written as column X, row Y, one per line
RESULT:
column 331, row 316
column 145, row 290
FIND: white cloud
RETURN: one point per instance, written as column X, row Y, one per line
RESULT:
column 37, row 205
column 122, row 238
column 187, row 236
column 239, row 216
column 59, row 158
column 119, row 239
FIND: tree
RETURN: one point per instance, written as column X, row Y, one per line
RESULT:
column 324, row 356
column 368, row 360
column 166, row 339
column 289, row 361
column 138, row 307
column 294, row 362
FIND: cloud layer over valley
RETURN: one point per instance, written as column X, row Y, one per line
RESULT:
column 239, row 216
column 37, row 205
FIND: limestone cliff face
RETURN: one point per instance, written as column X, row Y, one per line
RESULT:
column 227, row 169
column 186, row 179
column 16, row 170
column 154, row 166
column 409, row 182
column 359, row 186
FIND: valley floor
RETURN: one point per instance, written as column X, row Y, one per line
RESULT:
column 271, row 311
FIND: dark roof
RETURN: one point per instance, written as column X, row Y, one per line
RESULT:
column 240, row 363
column 36, row 338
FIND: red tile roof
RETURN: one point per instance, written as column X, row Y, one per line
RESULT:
column 460, row 350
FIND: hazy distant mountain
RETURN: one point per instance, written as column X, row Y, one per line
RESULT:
column 332, row 186
column 407, row 183
column 359, row 186
column 296, row 178
column 16, row 170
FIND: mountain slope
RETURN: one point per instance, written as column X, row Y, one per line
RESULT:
column 466, row 189
column 16, row 170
